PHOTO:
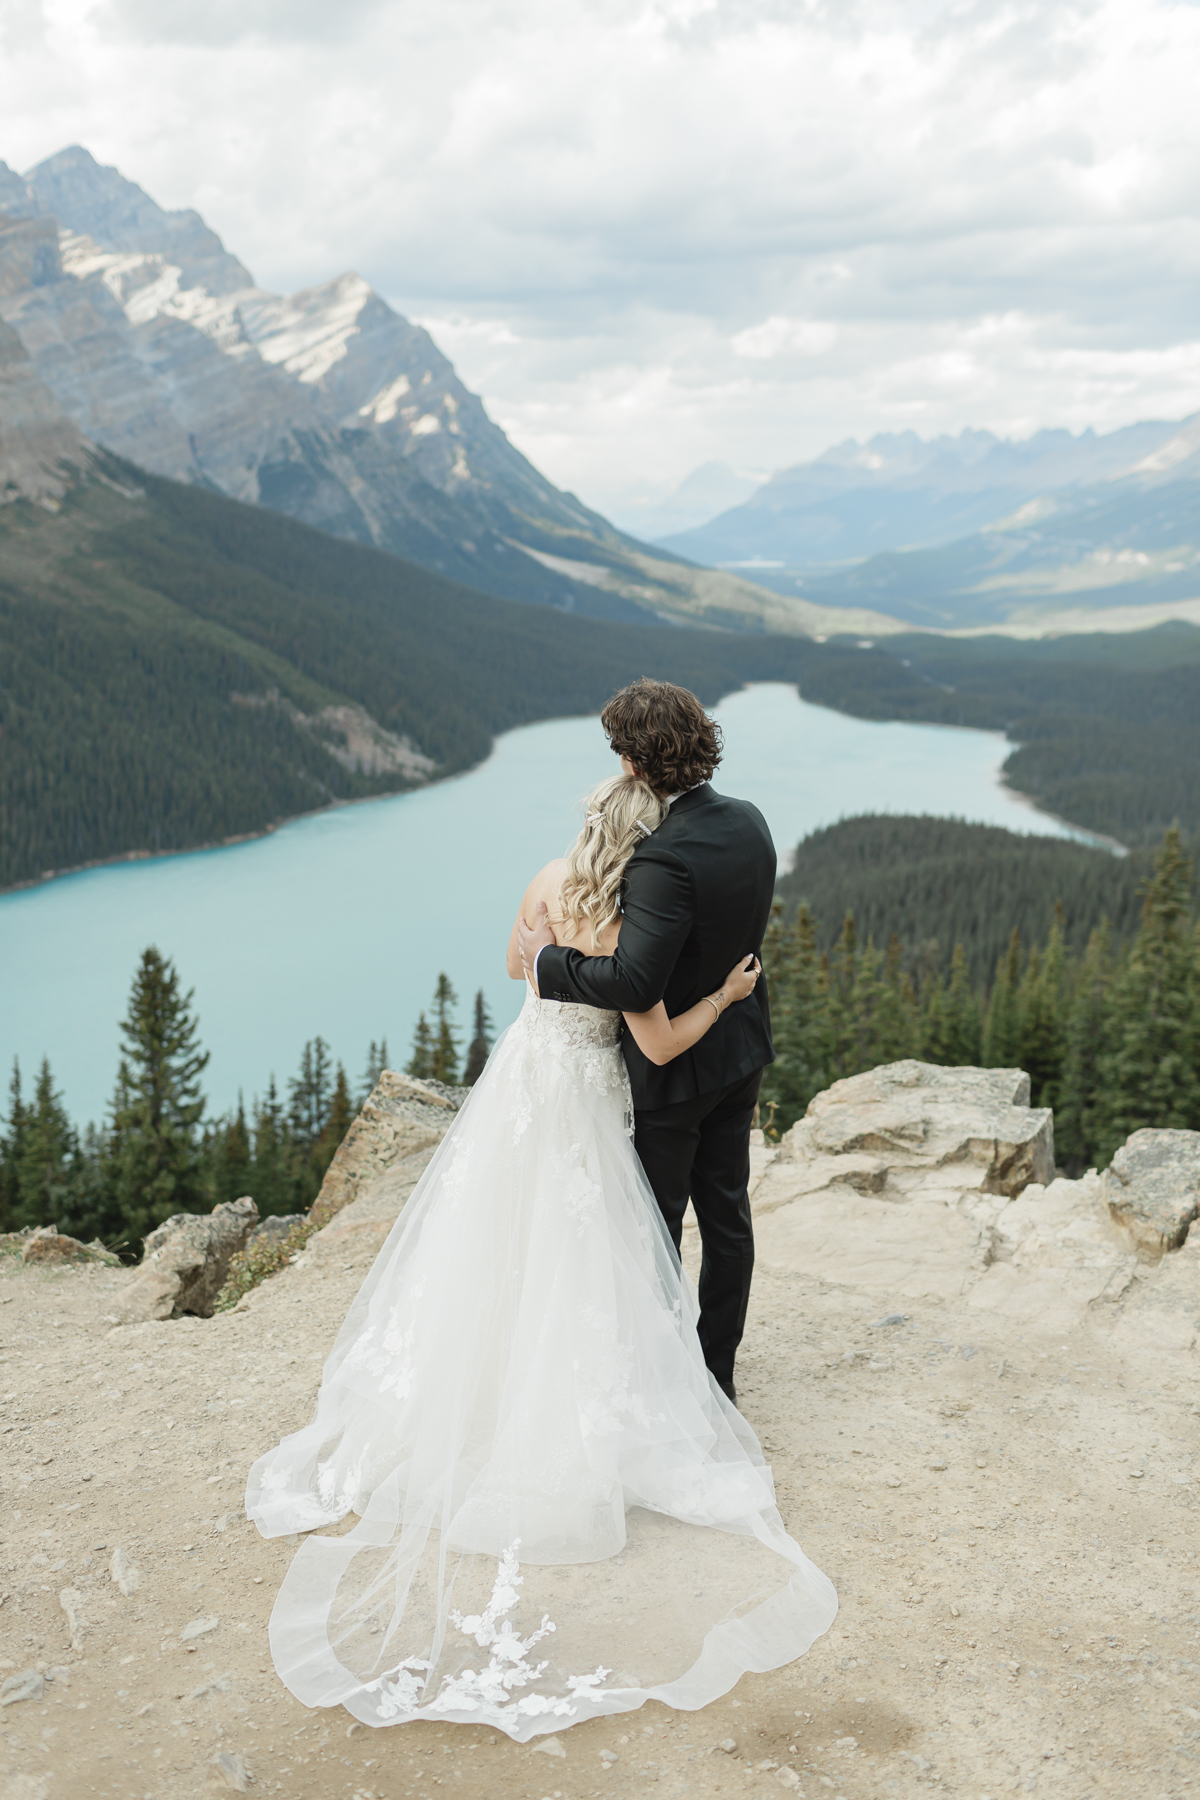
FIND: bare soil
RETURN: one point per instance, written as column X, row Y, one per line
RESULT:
column 1010, row 1519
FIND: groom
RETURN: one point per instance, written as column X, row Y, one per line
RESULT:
column 697, row 896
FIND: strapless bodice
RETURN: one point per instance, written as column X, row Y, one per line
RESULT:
column 564, row 1026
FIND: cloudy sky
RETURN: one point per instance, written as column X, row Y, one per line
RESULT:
column 654, row 232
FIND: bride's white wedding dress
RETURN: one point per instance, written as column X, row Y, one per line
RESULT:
column 561, row 1516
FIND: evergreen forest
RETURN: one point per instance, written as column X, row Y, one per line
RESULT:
column 157, row 1154
column 1107, row 1026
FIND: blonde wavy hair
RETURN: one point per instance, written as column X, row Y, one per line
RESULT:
column 618, row 816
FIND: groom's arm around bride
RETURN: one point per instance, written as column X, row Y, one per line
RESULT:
column 697, row 896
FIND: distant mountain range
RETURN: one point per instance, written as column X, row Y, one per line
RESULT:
column 974, row 531
column 325, row 405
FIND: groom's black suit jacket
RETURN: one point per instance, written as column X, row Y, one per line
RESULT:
column 697, row 895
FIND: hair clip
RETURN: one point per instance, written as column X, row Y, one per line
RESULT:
column 645, row 827
column 594, row 818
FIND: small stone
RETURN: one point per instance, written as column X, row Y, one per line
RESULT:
column 28, row 1685
column 550, row 1747
column 1136, row 1474
column 609, row 1757
column 728, row 1745
column 893, row 1481
column 125, row 1573
column 232, row 1771
column 60, row 1675
column 846, row 1743
column 888, row 1319
column 954, row 1613
column 352, row 1729
column 71, row 1601
column 939, row 1468
column 196, row 1628
column 788, row 1778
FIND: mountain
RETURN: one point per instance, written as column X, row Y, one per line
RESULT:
column 901, row 491
column 710, row 488
column 1063, row 562
column 325, row 405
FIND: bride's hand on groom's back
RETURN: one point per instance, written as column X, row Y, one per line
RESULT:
column 742, row 979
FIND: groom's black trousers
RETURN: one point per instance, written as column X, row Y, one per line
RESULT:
column 701, row 1148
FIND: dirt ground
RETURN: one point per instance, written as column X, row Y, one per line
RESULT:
column 1010, row 1519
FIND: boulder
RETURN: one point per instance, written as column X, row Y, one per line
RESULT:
column 274, row 1228
column 186, row 1261
column 908, row 1128
column 892, row 1179
column 48, row 1245
column 401, row 1118
column 1152, row 1189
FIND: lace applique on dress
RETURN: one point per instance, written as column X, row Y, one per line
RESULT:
column 488, row 1692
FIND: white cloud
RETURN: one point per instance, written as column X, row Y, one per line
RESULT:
column 661, row 231
column 778, row 336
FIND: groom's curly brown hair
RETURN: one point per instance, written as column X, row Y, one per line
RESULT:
column 665, row 733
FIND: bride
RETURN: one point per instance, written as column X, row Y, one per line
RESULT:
column 560, row 1515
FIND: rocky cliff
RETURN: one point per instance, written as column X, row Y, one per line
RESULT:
column 41, row 451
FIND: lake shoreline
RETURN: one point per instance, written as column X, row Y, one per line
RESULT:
column 339, row 925
column 265, row 831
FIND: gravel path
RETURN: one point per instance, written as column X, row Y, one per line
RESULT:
column 1010, row 1519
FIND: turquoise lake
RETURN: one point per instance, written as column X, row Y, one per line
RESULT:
column 338, row 924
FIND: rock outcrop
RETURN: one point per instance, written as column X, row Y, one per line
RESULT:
column 893, row 1178
column 46, row 1244
column 401, row 1119
column 40, row 449
column 1152, row 1189
column 186, row 1261
column 916, row 1181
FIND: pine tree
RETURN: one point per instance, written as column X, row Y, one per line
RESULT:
column 48, row 1152
column 1148, row 1073
column 377, row 1062
column 1076, row 1122
column 12, row 1145
column 842, row 973
column 155, row 1140
column 445, row 1038
column 481, row 1043
column 229, row 1158
column 420, row 1063
column 798, row 989
column 897, row 1016
column 342, row 1111
column 90, row 1212
column 963, row 1027
column 1042, row 1006
column 867, row 1006
column 310, row 1092
column 933, row 1028
column 1002, row 1024
column 275, row 1179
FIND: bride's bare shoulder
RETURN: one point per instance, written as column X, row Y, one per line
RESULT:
column 546, row 885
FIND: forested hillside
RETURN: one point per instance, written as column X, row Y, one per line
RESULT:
column 935, row 883
column 1107, row 726
column 175, row 668
column 1110, row 1036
